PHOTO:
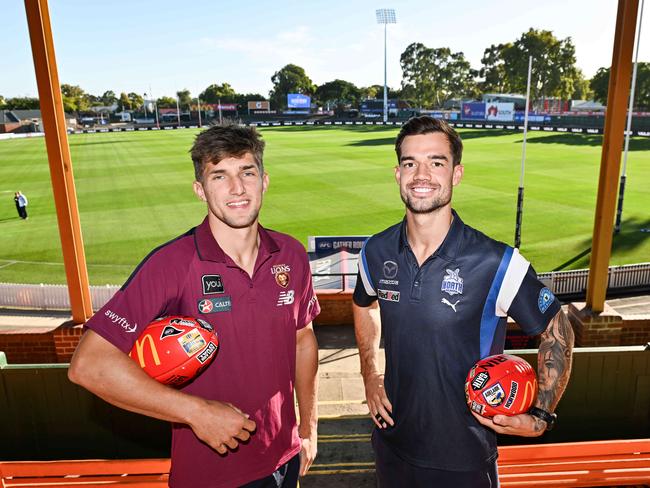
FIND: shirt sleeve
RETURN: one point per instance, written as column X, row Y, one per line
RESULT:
column 308, row 306
column 364, row 291
column 145, row 296
column 534, row 304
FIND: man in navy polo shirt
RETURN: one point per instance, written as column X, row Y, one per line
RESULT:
column 441, row 292
column 235, row 424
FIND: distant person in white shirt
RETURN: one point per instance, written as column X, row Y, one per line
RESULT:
column 21, row 204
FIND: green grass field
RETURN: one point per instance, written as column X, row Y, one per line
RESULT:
column 134, row 192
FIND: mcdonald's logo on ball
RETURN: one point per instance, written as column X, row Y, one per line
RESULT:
column 174, row 350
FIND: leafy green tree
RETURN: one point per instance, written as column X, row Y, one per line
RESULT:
column 125, row 102
column 600, row 85
column 74, row 98
column 583, row 90
column 166, row 102
column 3, row 102
column 554, row 71
column 372, row 91
column 435, row 75
column 242, row 99
column 339, row 93
column 184, row 98
column 108, row 98
column 493, row 69
column 290, row 79
column 136, row 101
column 215, row 93
column 22, row 103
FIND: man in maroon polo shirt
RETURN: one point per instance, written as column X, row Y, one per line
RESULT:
column 235, row 424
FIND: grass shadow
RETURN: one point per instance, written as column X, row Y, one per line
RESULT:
column 593, row 140
column 94, row 143
column 10, row 218
column 634, row 233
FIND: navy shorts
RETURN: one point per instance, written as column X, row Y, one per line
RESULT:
column 394, row 472
column 286, row 476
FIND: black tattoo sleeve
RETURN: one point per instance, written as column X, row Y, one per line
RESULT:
column 554, row 361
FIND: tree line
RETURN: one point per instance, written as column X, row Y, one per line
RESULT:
column 430, row 78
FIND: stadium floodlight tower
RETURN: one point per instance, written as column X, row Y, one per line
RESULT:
column 385, row 16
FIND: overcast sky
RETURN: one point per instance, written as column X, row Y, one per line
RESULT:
column 163, row 46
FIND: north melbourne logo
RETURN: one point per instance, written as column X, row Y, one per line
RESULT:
column 452, row 283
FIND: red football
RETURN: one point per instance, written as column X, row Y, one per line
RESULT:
column 501, row 384
column 173, row 350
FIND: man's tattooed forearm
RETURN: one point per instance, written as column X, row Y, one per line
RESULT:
column 554, row 361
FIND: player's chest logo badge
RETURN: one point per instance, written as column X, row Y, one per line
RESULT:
column 450, row 304
column 214, row 305
column 212, row 284
column 281, row 273
column 452, row 283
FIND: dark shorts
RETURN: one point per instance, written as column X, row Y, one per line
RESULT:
column 286, row 476
column 394, row 472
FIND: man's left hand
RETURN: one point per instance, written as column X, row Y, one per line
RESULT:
column 307, row 453
column 523, row 425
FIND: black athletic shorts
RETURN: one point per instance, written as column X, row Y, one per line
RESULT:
column 286, row 476
column 394, row 472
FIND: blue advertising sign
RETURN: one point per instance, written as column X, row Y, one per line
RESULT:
column 336, row 243
column 297, row 100
column 473, row 111
column 532, row 117
column 376, row 106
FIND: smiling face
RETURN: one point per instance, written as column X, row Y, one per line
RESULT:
column 233, row 190
column 426, row 174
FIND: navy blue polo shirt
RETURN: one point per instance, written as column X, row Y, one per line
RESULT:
column 437, row 320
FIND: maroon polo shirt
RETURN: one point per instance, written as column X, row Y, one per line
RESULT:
column 256, row 319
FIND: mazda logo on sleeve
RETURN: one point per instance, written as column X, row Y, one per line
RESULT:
column 390, row 269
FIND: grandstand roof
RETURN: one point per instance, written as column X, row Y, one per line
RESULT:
column 7, row 117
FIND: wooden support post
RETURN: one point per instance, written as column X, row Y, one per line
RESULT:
column 58, row 153
column 617, row 98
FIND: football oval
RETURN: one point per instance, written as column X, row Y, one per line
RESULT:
column 174, row 350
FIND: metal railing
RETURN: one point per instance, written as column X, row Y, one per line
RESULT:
column 563, row 283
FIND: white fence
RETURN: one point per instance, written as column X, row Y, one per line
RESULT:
column 49, row 297
column 55, row 297
column 575, row 282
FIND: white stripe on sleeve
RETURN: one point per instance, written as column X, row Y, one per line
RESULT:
column 517, row 269
column 365, row 276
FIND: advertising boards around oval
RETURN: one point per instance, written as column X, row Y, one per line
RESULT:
column 297, row 100
column 259, row 105
column 503, row 111
column 473, row 111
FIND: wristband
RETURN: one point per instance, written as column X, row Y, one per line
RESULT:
column 549, row 418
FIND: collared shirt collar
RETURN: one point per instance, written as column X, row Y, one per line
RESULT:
column 208, row 248
column 449, row 247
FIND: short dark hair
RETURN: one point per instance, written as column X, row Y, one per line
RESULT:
column 425, row 125
column 228, row 140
